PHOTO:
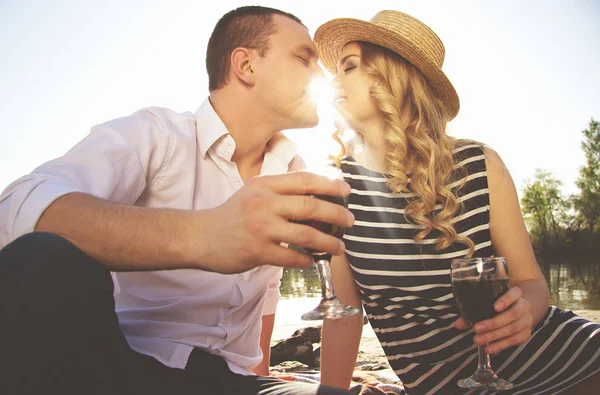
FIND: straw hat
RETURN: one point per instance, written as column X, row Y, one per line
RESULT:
column 399, row 32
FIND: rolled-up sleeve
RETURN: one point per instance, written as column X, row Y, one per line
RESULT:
column 114, row 162
column 273, row 294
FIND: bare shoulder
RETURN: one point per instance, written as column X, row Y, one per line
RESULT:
column 493, row 159
column 497, row 172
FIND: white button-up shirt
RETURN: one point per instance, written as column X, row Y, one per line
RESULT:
column 162, row 159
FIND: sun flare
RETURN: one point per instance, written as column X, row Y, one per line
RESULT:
column 321, row 92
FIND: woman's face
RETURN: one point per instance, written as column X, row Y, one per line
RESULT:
column 353, row 99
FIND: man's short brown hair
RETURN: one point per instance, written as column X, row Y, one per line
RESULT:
column 248, row 27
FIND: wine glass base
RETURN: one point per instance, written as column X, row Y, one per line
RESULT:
column 330, row 309
column 485, row 380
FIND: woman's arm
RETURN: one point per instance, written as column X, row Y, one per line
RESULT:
column 526, row 302
column 268, row 322
column 341, row 338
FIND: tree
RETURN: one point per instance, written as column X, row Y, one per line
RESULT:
column 588, row 202
column 544, row 208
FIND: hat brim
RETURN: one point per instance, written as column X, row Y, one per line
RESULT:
column 331, row 37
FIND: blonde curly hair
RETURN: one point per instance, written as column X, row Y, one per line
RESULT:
column 421, row 146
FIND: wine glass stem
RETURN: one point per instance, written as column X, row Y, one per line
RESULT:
column 325, row 276
column 483, row 360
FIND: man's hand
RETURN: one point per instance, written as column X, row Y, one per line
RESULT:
column 247, row 230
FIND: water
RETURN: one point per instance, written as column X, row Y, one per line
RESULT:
column 300, row 283
column 574, row 286
column 300, row 293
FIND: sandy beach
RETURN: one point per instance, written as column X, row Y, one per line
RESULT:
column 371, row 356
column 287, row 321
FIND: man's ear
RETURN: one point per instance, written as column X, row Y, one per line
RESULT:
column 241, row 65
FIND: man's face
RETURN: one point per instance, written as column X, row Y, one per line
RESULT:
column 284, row 74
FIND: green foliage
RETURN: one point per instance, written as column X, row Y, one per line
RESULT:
column 544, row 208
column 588, row 201
column 559, row 224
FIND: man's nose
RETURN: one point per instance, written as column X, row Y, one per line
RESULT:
column 318, row 71
column 334, row 82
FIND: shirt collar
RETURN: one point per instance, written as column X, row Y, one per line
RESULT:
column 210, row 129
column 279, row 149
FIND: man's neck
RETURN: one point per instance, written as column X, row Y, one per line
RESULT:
column 249, row 128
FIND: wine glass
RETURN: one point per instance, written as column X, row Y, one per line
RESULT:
column 477, row 283
column 329, row 307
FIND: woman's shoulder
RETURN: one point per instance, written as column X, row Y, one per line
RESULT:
column 471, row 150
column 469, row 162
column 355, row 172
column 463, row 148
column 348, row 164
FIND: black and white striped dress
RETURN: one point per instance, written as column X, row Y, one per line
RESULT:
column 406, row 292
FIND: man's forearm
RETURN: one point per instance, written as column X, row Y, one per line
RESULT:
column 242, row 233
column 122, row 237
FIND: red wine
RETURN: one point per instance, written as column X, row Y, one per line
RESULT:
column 476, row 299
column 330, row 229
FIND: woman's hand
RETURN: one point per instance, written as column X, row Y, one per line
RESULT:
column 512, row 326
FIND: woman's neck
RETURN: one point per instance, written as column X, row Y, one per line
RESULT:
column 371, row 151
column 374, row 150
column 372, row 158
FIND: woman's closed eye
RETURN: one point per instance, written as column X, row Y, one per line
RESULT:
column 349, row 67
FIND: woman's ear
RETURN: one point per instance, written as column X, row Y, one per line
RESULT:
column 241, row 65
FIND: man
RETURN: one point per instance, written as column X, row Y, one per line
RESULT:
column 170, row 203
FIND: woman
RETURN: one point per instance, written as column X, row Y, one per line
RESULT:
column 422, row 198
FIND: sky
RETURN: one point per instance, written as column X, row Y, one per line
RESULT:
column 527, row 72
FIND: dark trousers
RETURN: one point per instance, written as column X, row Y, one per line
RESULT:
column 59, row 334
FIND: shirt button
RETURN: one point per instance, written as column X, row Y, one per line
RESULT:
column 244, row 276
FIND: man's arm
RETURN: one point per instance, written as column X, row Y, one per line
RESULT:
column 244, row 232
column 268, row 322
column 126, row 238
